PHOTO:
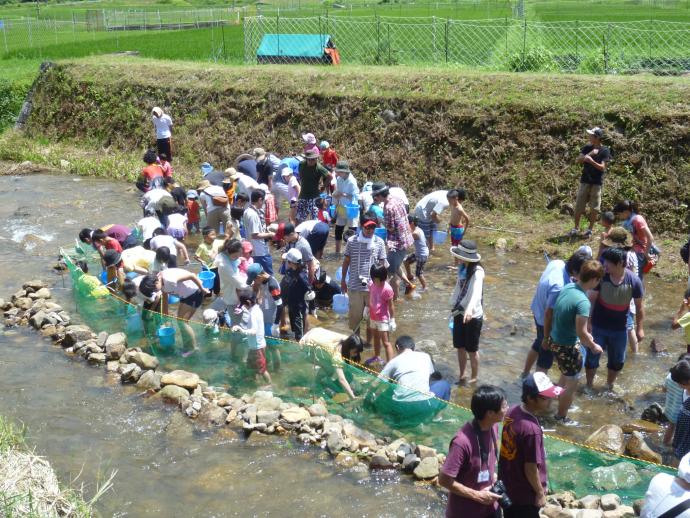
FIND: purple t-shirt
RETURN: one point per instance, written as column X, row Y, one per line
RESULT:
column 522, row 442
column 117, row 232
column 463, row 464
column 612, row 305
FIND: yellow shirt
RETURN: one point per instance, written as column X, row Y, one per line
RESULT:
column 207, row 253
column 684, row 322
column 137, row 257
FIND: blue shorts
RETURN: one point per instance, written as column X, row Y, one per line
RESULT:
column 318, row 237
column 545, row 360
column 630, row 323
column 395, row 260
column 614, row 343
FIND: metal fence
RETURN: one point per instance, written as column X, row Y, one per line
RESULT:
column 114, row 20
column 498, row 44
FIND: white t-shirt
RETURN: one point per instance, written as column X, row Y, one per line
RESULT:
column 172, row 284
column 397, row 192
column 177, row 221
column 256, row 323
column 163, row 126
column 164, row 240
column 411, row 369
column 436, row 201
column 207, row 197
column 293, row 189
column 253, row 224
column 347, row 186
column 305, row 228
column 151, row 200
column 663, row 494
column 148, row 225
column 231, row 279
column 246, row 185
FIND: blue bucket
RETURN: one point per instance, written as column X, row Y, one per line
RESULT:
column 352, row 210
column 207, row 279
column 341, row 304
column 381, row 232
column 439, row 237
column 173, row 299
column 331, row 211
column 103, row 277
column 132, row 275
column 166, row 336
column 451, row 325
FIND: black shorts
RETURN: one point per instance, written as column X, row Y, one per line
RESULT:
column 194, row 300
column 466, row 336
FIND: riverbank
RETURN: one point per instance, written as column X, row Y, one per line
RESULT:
column 29, row 486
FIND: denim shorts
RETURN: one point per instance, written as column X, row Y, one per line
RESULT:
column 614, row 343
column 395, row 260
column 545, row 359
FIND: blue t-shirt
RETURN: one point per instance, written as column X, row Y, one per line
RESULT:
column 549, row 287
column 571, row 303
column 248, row 167
column 612, row 305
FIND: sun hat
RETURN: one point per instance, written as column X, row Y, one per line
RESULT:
column 192, row 194
column 157, row 111
column 311, row 155
column 309, row 138
column 539, row 384
column 324, row 144
column 342, row 167
column 467, row 251
column 206, row 168
column 231, row 173
column 585, row 249
column 596, row 131
column 254, row 270
column 259, row 154
column 111, row 258
column 379, row 189
column 285, row 171
column 684, row 468
column 618, row 237
column 293, row 256
column 203, row 184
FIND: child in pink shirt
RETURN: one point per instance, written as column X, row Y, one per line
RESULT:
column 381, row 312
column 246, row 257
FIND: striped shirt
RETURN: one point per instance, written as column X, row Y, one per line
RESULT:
column 361, row 258
column 674, row 399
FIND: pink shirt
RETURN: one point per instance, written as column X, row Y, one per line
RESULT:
column 640, row 241
column 379, row 298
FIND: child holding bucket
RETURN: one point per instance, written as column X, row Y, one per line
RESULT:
column 155, row 287
column 459, row 220
column 381, row 312
column 253, row 329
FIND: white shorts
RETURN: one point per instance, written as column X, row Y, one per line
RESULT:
column 379, row 326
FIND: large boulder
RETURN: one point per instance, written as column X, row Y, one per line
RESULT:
column 361, row 438
column 130, row 373
column 427, row 469
column 640, row 425
column 180, row 378
column 335, row 443
column 618, row 476
column 149, row 380
column 267, row 416
column 76, row 333
column 638, row 448
column 145, row 361
column 317, row 410
column 42, row 293
column 609, row 437
column 588, row 502
column 213, row 415
column 610, row 501
column 424, row 451
column 34, row 285
column 38, row 319
column 295, row 414
column 96, row 358
column 173, row 394
column 115, row 345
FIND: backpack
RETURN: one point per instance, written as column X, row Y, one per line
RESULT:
column 219, row 201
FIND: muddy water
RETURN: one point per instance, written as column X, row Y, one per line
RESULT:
column 166, row 468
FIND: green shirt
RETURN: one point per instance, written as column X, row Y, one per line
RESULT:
column 684, row 322
column 571, row 302
column 309, row 178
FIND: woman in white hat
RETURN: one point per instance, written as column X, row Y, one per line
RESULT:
column 466, row 307
column 163, row 125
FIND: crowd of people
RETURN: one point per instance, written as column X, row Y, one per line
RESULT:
column 584, row 306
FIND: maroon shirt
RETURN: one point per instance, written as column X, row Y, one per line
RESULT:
column 463, row 464
column 118, row 232
column 522, row 442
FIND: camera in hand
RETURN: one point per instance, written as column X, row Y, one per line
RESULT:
column 500, row 489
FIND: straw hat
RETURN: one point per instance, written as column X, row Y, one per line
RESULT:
column 231, row 173
column 204, row 184
column 157, row 112
column 618, row 237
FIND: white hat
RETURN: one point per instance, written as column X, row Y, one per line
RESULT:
column 684, row 467
column 586, row 249
column 293, row 256
column 286, row 171
column 157, row 111
column 309, row 138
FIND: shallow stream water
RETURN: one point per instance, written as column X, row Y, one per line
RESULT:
column 82, row 420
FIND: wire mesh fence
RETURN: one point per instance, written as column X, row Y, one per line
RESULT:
column 496, row 44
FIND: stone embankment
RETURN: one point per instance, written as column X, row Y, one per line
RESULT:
column 259, row 413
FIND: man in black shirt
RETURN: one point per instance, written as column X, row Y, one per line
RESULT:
column 212, row 175
column 593, row 158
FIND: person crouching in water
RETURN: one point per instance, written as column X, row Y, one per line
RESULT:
column 155, row 287
column 466, row 304
column 253, row 329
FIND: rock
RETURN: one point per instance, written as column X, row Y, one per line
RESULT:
column 501, row 244
column 567, row 209
column 130, row 373
column 618, row 476
column 590, row 513
column 330, row 427
column 173, row 393
column 609, row 502
column 316, row 422
column 656, row 346
column 37, row 319
column 4, row 304
column 115, row 345
column 101, row 338
column 145, row 361
column 267, row 416
column 360, row 437
column 23, row 303
column 555, row 511
column 428, row 468
column 410, row 462
column 624, row 511
column 34, row 285
column 427, row 346
column 295, row 414
column 588, row 502
column 76, row 333
column 346, row 460
column 424, row 452
column 388, row 116
column 335, row 443
column 380, row 461
column 180, row 378
column 96, row 358
column 564, row 499
column 638, row 505
column 112, row 366
column 317, row 410
column 638, row 448
column 212, row 414
column 149, row 380
column 653, row 413
column 639, row 425
column 42, row 293
column 608, row 437
column 272, row 403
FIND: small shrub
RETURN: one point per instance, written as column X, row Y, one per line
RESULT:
column 536, row 59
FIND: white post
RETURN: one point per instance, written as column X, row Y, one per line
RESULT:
column 31, row 42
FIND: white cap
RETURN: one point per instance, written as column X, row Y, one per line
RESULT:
column 285, row 171
column 586, row 249
column 293, row 256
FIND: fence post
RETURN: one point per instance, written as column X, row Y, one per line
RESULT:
column 388, row 28
column 506, row 36
column 31, row 41
column 160, row 22
column 524, row 43
column 145, row 22
column 606, row 56
column 577, row 47
column 4, row 36
column 378, row 40
column 446, row 38
column 649, row 32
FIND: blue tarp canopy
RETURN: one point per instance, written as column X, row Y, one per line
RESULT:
column 294, row 45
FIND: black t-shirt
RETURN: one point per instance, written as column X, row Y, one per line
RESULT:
column 248, row 167
column 324, row 294
column 591, row 174
column 264, row 172
column 179, row 195
column 215, row 177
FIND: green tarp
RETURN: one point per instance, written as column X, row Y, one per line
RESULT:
column 299, row 46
